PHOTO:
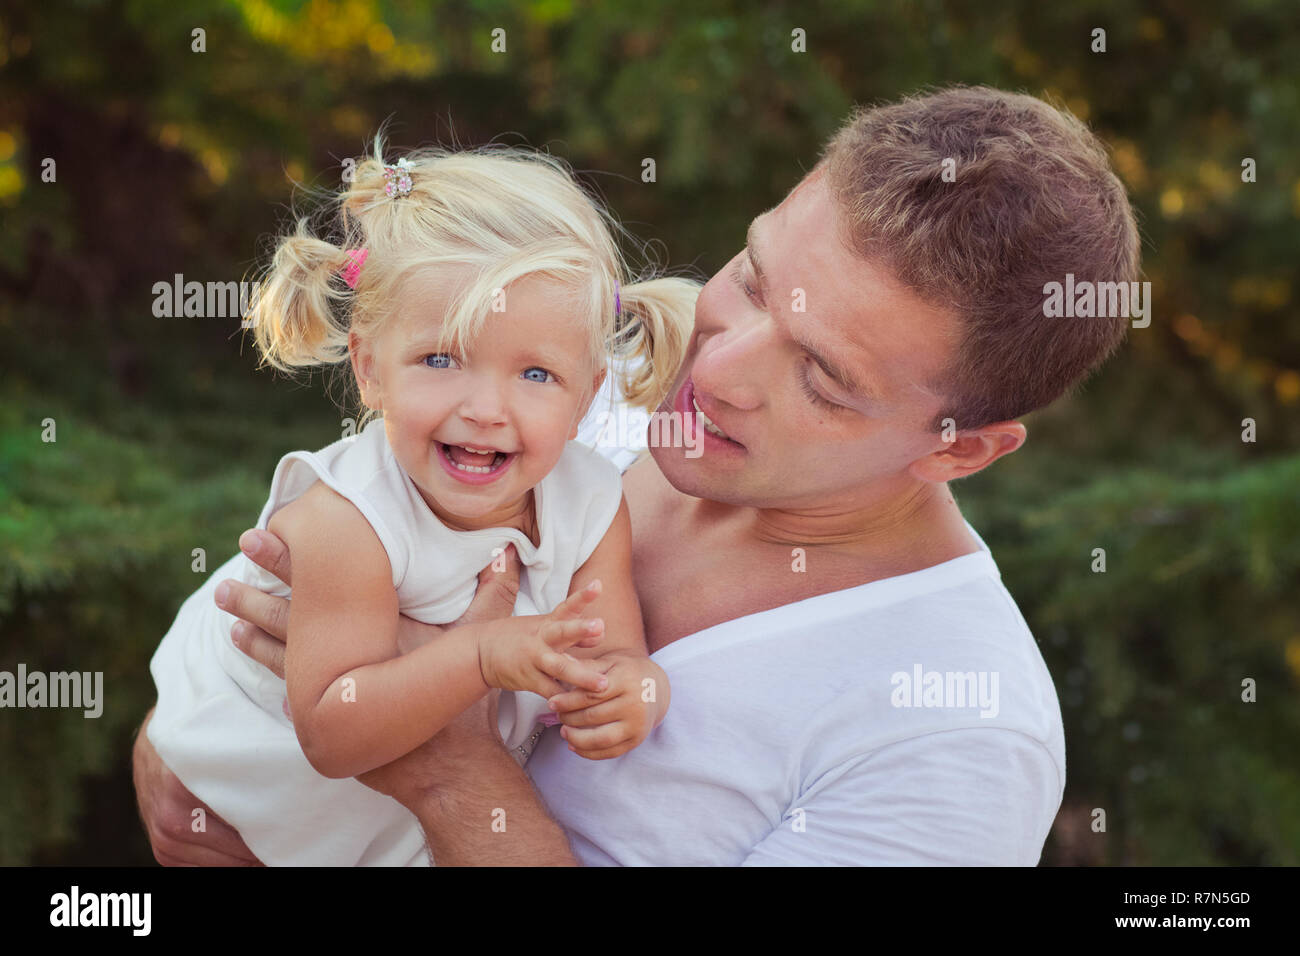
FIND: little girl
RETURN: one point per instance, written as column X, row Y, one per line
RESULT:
column 477, row 295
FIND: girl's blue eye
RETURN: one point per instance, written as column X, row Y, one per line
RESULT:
column 543, row 372
column 438, row 360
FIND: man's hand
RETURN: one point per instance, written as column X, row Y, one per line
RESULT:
column 167, row 808
column 612, row 722
column 263, row 627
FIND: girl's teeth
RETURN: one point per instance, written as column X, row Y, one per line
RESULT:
column 478, row 469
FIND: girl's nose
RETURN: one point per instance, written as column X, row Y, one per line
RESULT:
column 483, row 403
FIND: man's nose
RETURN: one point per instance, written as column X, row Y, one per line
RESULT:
column 736, row 359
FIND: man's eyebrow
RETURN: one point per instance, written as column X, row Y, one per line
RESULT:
column 752, row 247
column 836, row 372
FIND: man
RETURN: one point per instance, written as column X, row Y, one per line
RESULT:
column 851, row 683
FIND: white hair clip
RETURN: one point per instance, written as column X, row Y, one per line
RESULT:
column 399, row 179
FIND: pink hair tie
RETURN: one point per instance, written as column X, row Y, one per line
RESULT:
column 352, row 271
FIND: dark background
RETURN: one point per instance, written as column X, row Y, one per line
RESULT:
column 170, row 160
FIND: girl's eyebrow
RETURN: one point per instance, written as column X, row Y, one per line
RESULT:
column 545, row 356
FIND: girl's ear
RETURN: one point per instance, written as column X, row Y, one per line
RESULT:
column 363, row 368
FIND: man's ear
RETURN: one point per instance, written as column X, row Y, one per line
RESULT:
column 964, row 453
column 363, row 368
column 596, row 382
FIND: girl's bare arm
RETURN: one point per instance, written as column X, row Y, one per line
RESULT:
column 620, row 609
column 617, row 604
column 356, row 705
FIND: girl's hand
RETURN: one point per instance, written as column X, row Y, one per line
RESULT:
column 527, row 653
column 610, row 723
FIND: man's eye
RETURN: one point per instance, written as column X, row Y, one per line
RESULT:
column 438, row 360
column 540, row 371
column 738, row 276
column 805, row 382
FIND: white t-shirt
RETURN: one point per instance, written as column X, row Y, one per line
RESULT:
column 835, row 730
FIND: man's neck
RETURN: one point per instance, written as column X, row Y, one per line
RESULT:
column 914, row 526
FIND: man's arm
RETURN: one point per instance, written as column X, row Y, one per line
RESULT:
column 166, row 809
column 476, row 806
column 971, row 797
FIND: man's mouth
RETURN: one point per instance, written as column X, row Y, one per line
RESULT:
column 718, row 441
column 707, row 422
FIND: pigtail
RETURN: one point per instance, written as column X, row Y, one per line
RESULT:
column 304, row 308
column 657, row 318
column 295, row 316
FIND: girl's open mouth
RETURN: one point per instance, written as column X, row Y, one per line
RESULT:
column 472, row 466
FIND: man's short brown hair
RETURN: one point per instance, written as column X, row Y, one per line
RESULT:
column 1033, row 199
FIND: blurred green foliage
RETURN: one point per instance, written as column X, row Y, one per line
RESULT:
column 174, row 161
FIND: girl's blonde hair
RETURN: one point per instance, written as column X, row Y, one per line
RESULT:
column 503, row 212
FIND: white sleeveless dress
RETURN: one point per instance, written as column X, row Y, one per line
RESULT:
column 219, row 723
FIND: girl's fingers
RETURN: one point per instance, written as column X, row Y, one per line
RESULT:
column 262, row 610
column 260, row 646
column 572, row 605
column 569, row 702
column 563, row 634
column 562, row 667
column 581, row 709
column 592, row 739
column 602, row 754
column 542, row 684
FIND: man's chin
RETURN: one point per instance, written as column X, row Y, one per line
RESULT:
column 691, row 475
